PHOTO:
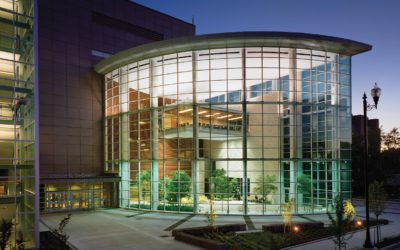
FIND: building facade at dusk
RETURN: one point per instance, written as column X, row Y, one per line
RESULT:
column 246, row 121
column 51, row 102
column 113, row 104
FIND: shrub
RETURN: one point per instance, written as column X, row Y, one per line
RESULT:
column 212, row 214
column 5, row 233
column 349, row 210
column 341, row 224
column 59, row 232
column 287, row 214
column 186, row 201
column 203, row 199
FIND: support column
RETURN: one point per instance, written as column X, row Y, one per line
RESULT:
column 293, row 124
column 195, row 158
column 244, row 132
column 154, row 142
column 124, row 164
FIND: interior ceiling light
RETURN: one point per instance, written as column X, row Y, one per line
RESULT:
column 185, row 111
column 235, row 118
column 212, row 115
column 225, row 116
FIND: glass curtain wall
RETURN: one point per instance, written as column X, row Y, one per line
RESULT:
column 17, row 120
column 242, row 129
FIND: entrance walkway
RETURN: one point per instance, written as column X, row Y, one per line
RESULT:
column 130, row 229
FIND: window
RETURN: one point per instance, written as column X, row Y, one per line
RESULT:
column 234, row 96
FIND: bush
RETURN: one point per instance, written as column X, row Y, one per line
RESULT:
column 184, row 208
column 141, row 206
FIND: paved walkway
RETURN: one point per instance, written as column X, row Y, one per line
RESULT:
column 130, row 229
column 392, row 213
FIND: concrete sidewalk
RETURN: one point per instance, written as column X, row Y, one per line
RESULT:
column 391, row 213
column 130, row 229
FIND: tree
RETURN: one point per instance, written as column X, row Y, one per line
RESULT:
column 265, row 186
column 20, row 241
column 221, row 185
column 145, row 181
column 377, row 199
column 179, row 185
column 390, row 157
column 391, row 140
column 304, row 186
column 212, row 214
column 341, row 224
column 5, row 233
column 375, row 170
column 287, row 214
column 59, row 232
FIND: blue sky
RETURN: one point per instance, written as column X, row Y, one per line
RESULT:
column 376, row 22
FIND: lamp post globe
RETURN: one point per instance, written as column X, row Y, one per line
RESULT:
column 376, row 93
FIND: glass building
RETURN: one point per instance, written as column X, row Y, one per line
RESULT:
column 243, row 122
column 17, row 121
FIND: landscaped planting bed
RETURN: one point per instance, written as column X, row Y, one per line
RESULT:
column 271, row 238
column 274, row 238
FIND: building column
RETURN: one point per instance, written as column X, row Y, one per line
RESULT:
column 335, row 126
column 244, row 132
column 124, row 164
column 195, row 159
column 293, row 124
column 154, row 142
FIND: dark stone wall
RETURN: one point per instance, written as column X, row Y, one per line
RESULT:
column 71, row 93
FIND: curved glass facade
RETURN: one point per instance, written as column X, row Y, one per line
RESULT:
column 249, row 128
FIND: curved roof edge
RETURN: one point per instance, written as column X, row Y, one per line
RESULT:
column 230, row 40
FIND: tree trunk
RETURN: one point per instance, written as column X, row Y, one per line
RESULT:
column 377, row 229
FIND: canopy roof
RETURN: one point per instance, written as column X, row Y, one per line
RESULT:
column 233, row 40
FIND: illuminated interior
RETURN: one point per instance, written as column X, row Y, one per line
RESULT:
column 17, row 121
column 247, row 127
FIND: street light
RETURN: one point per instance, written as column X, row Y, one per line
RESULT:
column 375, row 93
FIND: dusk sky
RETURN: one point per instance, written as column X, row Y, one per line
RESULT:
column 369, row 21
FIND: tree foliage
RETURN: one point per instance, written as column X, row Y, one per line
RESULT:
column 222, row 186
column 265, row 185
column 179, row 185
column 341, row 223
column 212, row 214
column 391, row 140
column 287, row 214
column 304, row 184
column 390, row 155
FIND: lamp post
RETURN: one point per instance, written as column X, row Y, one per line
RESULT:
column 375, row 93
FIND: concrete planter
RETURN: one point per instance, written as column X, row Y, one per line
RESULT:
column 194, row 235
